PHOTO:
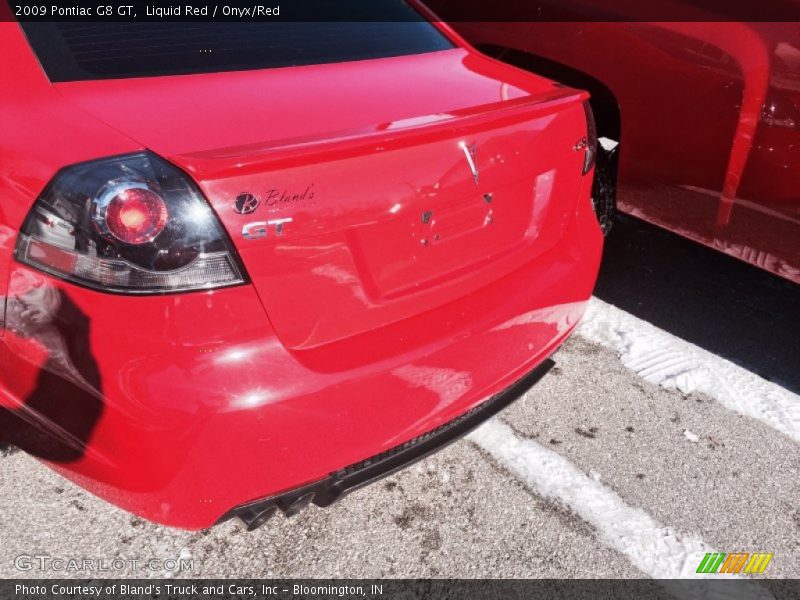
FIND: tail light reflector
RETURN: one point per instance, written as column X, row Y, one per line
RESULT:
column 133, row 215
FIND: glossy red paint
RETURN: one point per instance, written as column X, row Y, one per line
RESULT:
column 708, row 115
column 366, row 323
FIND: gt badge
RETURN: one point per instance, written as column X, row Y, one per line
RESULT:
column 259, row 229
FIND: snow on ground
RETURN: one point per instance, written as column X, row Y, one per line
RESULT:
column 671, row 362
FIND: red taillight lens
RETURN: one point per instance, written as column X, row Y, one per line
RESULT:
column 136, row 215
column 131, row 224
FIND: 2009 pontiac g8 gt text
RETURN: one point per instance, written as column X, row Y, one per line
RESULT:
column 248, row 267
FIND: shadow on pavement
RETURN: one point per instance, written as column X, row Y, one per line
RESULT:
column 717, row 302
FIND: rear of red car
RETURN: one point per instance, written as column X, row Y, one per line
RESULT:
column 241, row 285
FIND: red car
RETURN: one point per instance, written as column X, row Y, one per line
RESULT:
column 699, row 120
column 249, row 267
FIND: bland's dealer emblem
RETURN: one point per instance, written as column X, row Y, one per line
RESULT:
column 245, row 204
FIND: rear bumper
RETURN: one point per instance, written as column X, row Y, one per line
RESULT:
column 179, row 408
column 327, row 491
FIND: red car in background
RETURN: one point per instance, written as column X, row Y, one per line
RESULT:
column 245, row 267
column 699, row 121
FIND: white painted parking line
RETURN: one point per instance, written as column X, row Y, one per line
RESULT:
column 666, row 360
column 657, row 550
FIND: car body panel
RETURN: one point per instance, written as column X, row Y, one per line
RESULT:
column 179, row 407
column 709, row 112
column 336, row 258
column 234, row 415
column 415, row 232
column 344, row 97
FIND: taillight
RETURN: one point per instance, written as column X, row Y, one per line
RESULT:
column 591, row 139
column 133, row 215
column 129, row 224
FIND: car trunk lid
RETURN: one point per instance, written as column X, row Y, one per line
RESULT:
column 379, row 189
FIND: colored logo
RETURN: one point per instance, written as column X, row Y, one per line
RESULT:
column 738, row 562
column 245, row 204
